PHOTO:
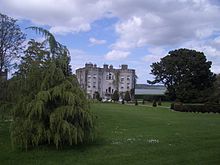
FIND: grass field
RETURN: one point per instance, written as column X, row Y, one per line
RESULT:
column 130, row 134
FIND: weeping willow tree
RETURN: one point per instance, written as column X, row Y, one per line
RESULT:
column 51, row 107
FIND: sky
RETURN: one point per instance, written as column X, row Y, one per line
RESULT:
column 133, row 32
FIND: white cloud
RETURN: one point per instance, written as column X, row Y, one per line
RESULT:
column 154, row 55
column 95, row 41
column 80, row 57
column 116, row 55
column 141, row 22
column 63, row 16
column 167, row 24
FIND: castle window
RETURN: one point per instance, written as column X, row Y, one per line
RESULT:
column 109, row 76
column 109, row 89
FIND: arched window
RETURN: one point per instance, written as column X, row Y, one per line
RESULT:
column 109, row 89
column 109, row 76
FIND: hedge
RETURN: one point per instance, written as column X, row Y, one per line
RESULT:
column 215, row 108
column 152, row 97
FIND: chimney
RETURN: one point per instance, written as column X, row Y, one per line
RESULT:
column 88, row 65
column 105, row 66
column 124, row 67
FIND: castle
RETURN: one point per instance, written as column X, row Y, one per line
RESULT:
column 106, row 80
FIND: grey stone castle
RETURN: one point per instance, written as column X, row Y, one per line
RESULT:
column 106, row 80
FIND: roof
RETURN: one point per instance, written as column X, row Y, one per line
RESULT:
column 146, row 86
column 144, row 89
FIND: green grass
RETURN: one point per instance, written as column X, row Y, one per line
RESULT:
column 131, row 135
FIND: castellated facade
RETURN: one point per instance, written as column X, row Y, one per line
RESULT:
column 106, row 80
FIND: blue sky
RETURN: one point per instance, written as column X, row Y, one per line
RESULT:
column 117, row 32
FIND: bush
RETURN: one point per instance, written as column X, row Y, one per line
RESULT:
column 151, row 98
column 115, row 96
column 136, row 102
column 154, row 103
column 127, row 96
column 172, row 106
column 203, row 108
column 159, row 102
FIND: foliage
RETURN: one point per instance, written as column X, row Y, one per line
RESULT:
column 172, row 106
column 186, row 74
column 132, row 93
column 11, row 42
column 116, row 80
column 97, row 96
column 215, row 108
column 136, row 102
column 154, row 103
column 51, row 108
column 215, row 96
column 115, row 96
column 159, row 102
column 152, row 97
column 127, row 97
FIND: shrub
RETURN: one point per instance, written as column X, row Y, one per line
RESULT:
column 215, row 108
column 136, row 102
column 154, row 103
column 127, row 96
column 159, row 102
column 172, row 106
column 115, row 96
column 152, row 97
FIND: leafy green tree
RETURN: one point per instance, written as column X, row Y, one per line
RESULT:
column 51, row 108
column 11, row 45
column 11, row 42
column 215, row 96
column 127, row 96
column 115, row 96
column 185, row 73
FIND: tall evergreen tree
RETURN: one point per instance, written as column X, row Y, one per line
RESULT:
column 115, row 96
column 127, row 96
column 51, row 108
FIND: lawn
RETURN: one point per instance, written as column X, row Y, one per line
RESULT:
column 130, row 134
